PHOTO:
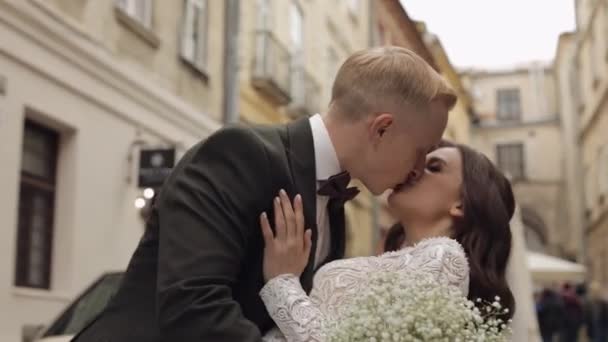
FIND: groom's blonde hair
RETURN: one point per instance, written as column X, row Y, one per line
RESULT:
column 383, row 79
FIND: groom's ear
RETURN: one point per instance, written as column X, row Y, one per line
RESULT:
column 380, row 124
column 457, row 209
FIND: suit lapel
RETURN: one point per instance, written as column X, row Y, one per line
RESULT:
column 301, row 156
column 335, row 210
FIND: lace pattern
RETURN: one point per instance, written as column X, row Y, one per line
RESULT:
column 301, row 318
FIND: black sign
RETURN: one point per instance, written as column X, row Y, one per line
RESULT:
column 155, row 166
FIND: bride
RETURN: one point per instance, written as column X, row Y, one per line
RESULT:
column 453, row 224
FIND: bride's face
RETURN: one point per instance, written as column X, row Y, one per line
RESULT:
column 437, row 194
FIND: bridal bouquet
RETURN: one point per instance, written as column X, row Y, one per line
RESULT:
column 397, row 307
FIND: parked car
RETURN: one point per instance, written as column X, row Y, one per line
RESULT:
column 79, row 313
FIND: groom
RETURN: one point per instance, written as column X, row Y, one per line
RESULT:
column 197, row 271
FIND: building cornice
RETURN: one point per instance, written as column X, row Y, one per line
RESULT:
column 36, row 22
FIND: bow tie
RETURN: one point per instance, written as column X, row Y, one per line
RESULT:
column 336, row 187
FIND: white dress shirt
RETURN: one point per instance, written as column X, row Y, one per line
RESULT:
column 327, row 165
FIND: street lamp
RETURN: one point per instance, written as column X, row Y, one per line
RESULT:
column 140, row 202
column 148, row 193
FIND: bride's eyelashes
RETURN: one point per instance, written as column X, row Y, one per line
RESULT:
column 433, row 167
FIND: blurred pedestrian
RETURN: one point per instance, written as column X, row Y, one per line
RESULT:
column 596, row 314
column 550, row 311
column 574, row 315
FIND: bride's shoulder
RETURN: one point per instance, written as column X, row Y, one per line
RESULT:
column 437, row 241
column 440, row 244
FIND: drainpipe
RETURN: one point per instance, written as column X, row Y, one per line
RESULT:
column 230, row 105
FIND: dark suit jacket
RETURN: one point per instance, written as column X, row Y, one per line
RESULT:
column 197, row 271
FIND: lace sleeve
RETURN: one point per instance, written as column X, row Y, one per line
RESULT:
column 292, row 310
column 445, row 259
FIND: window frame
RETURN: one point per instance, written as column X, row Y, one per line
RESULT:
column 32, row 185
column 504, row 162
column 197, row 37
column 505, row 103
column 131, row 8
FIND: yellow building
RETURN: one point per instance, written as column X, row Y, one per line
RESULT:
column 462, row 115
column 290, row 51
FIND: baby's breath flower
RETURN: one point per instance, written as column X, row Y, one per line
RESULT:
column 415, row 307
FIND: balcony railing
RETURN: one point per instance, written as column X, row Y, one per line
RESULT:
column 305, row 93
column 271, row 67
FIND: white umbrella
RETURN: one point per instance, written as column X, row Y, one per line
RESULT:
column 547, row 269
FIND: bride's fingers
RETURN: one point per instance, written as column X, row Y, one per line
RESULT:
column 290, row 219
column 266, row 231
column 279, row 220
column 298, row 208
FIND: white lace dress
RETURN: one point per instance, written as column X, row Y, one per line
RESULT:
column 300, row 317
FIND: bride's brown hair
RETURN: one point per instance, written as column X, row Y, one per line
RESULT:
column 483, row 230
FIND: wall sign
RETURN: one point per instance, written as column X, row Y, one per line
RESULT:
column 154, row 166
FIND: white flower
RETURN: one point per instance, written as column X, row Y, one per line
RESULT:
column 414, row 307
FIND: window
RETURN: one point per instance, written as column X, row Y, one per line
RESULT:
column 508, row 107
column 264, row 15
column 353, row 7
column 195, row 33
column 140, row 10
column 296, row 28
column 36, row 207
column 510, row 159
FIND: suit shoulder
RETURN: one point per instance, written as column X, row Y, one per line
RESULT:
column 234, row 134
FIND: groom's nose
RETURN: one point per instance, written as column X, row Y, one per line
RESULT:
column 418, row 170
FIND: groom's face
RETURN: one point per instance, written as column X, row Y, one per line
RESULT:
column 400, row 144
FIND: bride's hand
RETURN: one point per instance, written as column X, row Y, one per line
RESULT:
column 288, row 250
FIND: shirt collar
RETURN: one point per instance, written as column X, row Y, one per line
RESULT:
column 326, row 159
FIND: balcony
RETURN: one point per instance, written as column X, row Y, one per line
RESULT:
column 271, row 66
column 305, row 93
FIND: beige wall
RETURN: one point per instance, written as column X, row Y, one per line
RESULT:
column 542, row 190
column 161, row 62
column 537, row 92
column 542, row 148
column 565, row 76
column 591, row 100
column 58, row 74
